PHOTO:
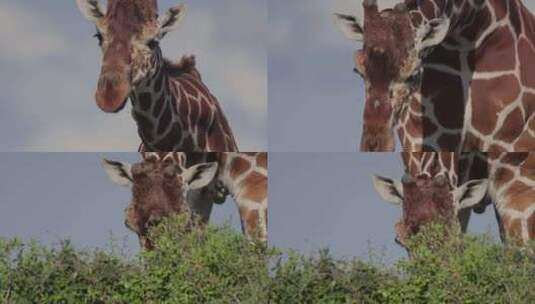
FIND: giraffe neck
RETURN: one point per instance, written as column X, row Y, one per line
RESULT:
column 155, row 111
column 481, row 51
column 245, row 176
column 432, row 164
column 174, row 111
column 511, row 189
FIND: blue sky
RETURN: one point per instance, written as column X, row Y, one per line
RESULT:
column 50, row 64
column 53, row 196
column 327, row 200
column 315, row 200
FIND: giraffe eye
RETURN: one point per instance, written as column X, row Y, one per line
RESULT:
column 98, row 35
column 153, row 43
column 100, row 38
column 356, row 71
column 415, row 77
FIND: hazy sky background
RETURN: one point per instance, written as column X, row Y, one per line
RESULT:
column 315, row 200
column 50, row 65
column 315, row 98
column 53, row 196
column 327, row 199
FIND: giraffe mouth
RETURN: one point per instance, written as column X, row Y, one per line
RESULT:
column 121, row 106
column 112, row 101
column 112, row 95
column 114, row 108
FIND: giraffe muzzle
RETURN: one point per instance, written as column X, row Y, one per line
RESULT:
column 377, row 143
column 112, row 92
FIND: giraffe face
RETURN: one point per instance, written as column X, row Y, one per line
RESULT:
column 159, row 189
column 128, row 33
column 426, row 199
column 390, row 65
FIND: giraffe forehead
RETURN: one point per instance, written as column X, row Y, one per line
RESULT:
column 132, row 11
column 390, row 30
column 126, row 19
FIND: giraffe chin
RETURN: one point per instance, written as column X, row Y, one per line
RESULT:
column 377, row 143
column 112, row 107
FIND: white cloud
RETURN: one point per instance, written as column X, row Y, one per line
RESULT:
column 232, row 58
column 313, row 24
column 52, row 96
column 26, row 35
column 315, row 18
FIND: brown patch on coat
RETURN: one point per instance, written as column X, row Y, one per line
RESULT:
column 527, row 75
column 251, row 220
column 515, row 158
column 472, row 143
column 496, row 53
column 481, row 20
column 490, row 97
column 239, row 166
column 520, row 196
column 511, row 127
column 262, row 160
column 449, row 104
column 503, row 176
column 525, row 142
column 528, row 167
column 531, row 227
column 255, row 187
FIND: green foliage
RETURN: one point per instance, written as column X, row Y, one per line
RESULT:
column 34, row 274
column 207, row 265
column 471, row 269
column 217, row 265
column 323, row 279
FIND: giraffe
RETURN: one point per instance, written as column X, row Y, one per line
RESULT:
column 512, row 188
column 446, row 75
column 172, row 107
column 167, row 183
column 429, row 192
column 425, row 198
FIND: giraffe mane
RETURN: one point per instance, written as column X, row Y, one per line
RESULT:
column 186, row 65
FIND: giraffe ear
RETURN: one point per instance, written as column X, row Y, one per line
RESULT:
column 390, row 190
column 119, row 173
column 432, row 33
column 470, row 194
column 91, row 9
column 200, row 175
column 349, row 26
column 171, row 19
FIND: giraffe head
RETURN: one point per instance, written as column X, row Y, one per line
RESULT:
column 390, row 64
column 428, row 196
column 128, row 32
column 159, row 189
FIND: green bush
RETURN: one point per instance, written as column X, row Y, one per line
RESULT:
column 34, row 274
column 463, row 270
column 208, row 265
column 323, row 279
column 217, row 265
